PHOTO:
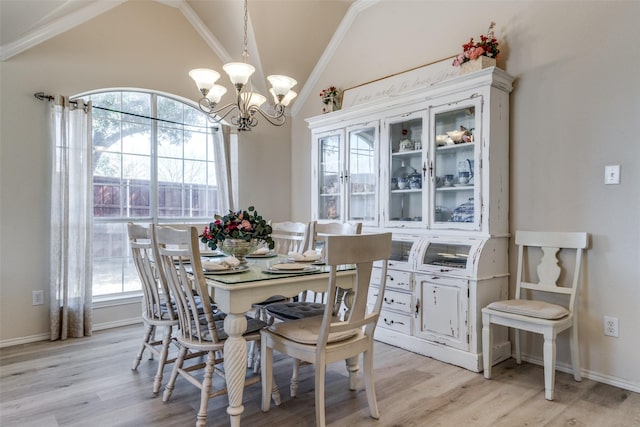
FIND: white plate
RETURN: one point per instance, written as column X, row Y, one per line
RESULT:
column 289, row 266
column 307, row 261
column 267, row 255
column 233, row 270
column 306, row 269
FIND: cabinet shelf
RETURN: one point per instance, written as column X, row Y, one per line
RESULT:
column 409, row 153
column 407, row 190
column 456, row 188
column 455, row 147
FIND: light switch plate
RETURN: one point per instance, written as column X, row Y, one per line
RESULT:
column 612, row 174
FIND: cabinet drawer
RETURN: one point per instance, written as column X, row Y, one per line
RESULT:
column 399, row 280
column 395, row 321
column 395, row 279
column 397, row 301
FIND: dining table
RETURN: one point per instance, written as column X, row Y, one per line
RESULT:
column 236, row 291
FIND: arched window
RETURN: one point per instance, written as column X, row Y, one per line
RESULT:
column 154, row 160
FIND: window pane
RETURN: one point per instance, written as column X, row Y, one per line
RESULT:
column 113, row 270
column 136, row 167
column 138, row 104
column 138, row 178
column 195, row 172
column 169, row 142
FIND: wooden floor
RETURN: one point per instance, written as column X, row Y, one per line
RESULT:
column 89, row 382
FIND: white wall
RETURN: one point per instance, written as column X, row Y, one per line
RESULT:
column 574, row 109
column 129, row 46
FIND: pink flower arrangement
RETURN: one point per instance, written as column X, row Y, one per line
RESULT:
column 243, row 224
column 487, row 46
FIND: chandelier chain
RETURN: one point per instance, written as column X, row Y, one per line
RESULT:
column 245, row 53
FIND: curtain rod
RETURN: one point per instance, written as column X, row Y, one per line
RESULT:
column 44, row 97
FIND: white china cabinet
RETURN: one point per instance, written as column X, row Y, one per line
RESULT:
column 442, row 188
column 346, row 174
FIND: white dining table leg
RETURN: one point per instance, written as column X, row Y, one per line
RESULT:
column 235, row 364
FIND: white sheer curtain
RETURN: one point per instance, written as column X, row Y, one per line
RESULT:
column 223, row 168
column 71, row 218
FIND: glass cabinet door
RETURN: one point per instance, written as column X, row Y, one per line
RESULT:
column 362, row 183
column 455, row 131
column 407, row 171
column 330, row 177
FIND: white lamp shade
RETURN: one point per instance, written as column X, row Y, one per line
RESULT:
column 287, row 98
column 204, row 77
column 281, row 84
column 253, row 99
column 239, row 72
column 216, row 92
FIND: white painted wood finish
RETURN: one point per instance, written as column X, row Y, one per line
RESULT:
column 529, row 311
column 237, row 298
column 290, row 236
column 322, row 339
column 157, row 307
column 436, row 311
column 180, row 265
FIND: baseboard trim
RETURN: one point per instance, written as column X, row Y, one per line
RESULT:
column 595, row 376
column 45, row 336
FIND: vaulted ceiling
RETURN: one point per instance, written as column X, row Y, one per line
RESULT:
column 306, row 27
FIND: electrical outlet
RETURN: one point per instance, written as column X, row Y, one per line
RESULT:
column 611, row 326
column 37, row 298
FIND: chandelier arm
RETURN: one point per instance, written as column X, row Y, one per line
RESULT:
column 277, row 119
column 205, row 107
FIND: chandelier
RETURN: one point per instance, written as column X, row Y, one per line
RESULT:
column 248, row 102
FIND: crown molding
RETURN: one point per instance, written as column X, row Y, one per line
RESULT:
column 354, row 10
column 58, row 26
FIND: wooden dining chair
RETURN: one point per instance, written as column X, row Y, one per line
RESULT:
column 157, row 308
column 180, row 265
column 310, row 304
column 326, row 339
column 531, row 310
column 290, row 236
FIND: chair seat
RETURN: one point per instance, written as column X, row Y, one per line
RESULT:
column 306, row 331
column 538, row 309
column 295, row 310
column 253, row 325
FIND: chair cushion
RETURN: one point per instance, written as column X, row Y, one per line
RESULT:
column 295, row 310
column 539, row 309
column 253, row 325
column 305, row 331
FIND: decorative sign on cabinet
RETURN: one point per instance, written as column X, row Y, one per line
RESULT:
column 432, row 167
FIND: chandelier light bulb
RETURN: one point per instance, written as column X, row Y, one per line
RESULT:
column 204, row 78
column 252, row 99
column 215, row 93
column 287, row 98
column 239, row 72
column 281, row 84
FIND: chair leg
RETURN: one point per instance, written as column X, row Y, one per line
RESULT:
column 295, row 375
column 320, row 375
column 164, row 353
column 487, row 350
column 268, row 384
column 575, row 353
column 201, row 419
column 352, row 369
column 168, row 389
column 517, row 346
column 549, row 353
column 145, row 339
column 369, row 385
